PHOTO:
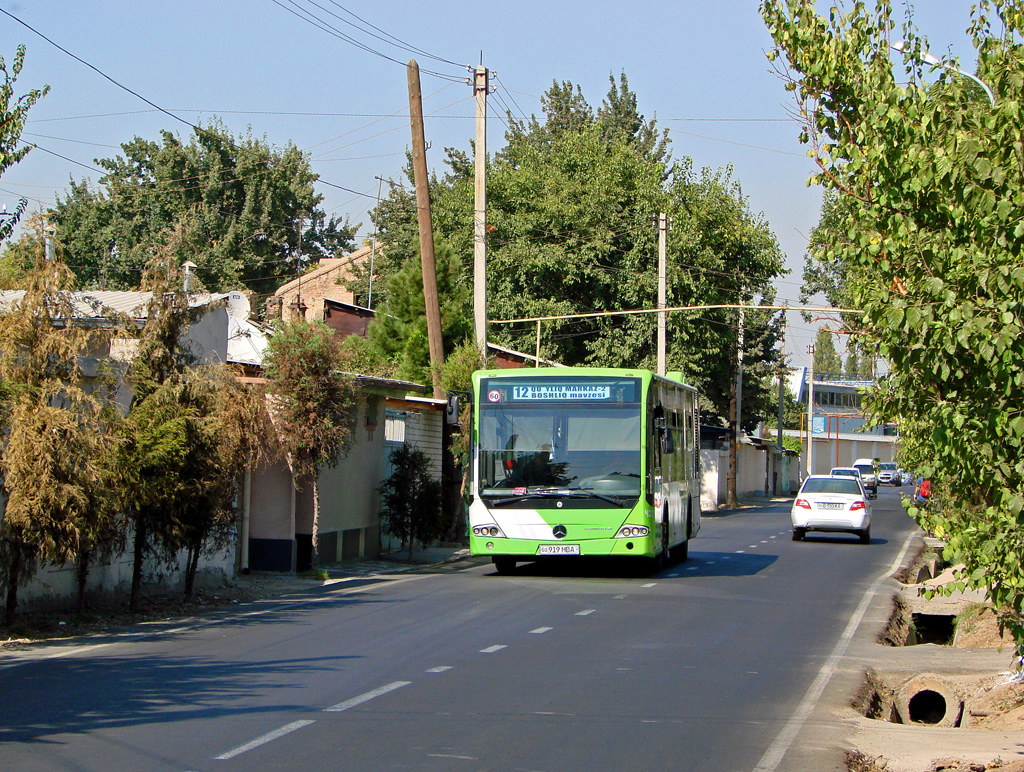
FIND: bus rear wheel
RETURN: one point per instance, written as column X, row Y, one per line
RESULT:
column 504, row 565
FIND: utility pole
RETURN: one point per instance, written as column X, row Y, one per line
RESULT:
column 734, row 446
column 810, row 413
column 480, row 77
column 782, row 372
column 662, row 281
column 776, row 482
column 373, row 252
column 426, row 227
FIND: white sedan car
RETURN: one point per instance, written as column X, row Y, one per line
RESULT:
column 832, row 503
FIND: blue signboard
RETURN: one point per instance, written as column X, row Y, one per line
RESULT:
column 817, row 424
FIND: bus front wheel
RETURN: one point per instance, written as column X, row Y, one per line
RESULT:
column 504, row 565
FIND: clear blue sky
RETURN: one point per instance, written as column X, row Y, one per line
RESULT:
column 698, row 67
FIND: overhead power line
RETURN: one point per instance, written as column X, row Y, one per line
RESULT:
column 99, row 71
column 324, row 25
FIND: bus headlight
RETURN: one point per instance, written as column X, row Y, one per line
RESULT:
column 632, row 531
column 487, row 530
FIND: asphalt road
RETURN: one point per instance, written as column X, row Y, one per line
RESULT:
column 711, row 664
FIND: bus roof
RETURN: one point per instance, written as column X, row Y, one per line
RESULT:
column 676, row 377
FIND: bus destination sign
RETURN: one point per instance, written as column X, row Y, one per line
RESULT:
column 561, row 392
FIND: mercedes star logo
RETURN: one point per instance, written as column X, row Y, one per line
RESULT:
column 559, row 531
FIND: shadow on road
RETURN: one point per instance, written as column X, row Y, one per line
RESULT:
column 699, row 564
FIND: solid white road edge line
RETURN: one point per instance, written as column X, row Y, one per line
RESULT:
column 365, row 697
column 286, row 729
column 773, row 756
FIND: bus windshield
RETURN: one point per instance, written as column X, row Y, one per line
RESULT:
column 580, row 434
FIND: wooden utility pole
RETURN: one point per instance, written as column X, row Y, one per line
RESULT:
column 426, row 226
column 480, row 77
column 662, row 281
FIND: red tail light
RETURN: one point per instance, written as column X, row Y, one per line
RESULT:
column 857, row 505
column 803, row 503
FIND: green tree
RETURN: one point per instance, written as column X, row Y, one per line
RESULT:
column 53, row 437
column 313, row 403
column 13, row 114
column 826, row 358
column 179, row 455
column 931, row 254
column 20, row 257
column 572, row 201
column 250, row 210
column 399, row 332
column 411, row 499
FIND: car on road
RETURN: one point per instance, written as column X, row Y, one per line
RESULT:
column 832, row 503
column 889, row 474
column 866, row 467
column 846, row 471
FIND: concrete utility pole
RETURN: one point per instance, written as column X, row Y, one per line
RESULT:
column 782, row 373
column 419, row 166
column 373, row 252
column 810, row 413
column 480, row 77
column 734, row 445
column 662, row 281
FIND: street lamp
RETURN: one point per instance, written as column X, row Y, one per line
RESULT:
column 928, row 58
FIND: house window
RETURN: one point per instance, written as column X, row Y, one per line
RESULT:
column 394, row 426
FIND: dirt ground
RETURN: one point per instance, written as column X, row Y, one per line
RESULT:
column 989, row 731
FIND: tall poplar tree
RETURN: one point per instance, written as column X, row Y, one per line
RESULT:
column 931, row 169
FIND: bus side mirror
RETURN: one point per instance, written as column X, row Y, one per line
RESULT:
column 451, row 410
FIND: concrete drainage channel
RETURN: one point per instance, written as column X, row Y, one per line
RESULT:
column 926, row 695
column 927, row 699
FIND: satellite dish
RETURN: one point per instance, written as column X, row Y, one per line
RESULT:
column 238, row 305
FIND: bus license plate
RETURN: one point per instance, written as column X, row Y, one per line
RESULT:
column 558, row 549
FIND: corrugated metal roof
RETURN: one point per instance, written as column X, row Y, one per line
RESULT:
column 103, row 304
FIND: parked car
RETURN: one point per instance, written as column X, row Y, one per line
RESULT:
column 889, row 474
column 866, row 467
column 832, row 503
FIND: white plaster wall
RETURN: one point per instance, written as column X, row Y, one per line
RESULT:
column 57, row 586
column 710, row 467
column 348, row 492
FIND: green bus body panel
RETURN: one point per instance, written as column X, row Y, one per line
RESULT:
column 608, row 520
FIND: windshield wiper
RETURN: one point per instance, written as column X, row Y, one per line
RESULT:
column 556, row 493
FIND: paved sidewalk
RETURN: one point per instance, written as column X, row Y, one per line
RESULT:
column 398, row 562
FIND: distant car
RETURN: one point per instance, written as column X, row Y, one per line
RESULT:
column 846, row 471
column 889, row 474
column 832, row 503
column 908, row 478
column 867, row 474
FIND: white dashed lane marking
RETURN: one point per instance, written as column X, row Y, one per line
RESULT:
column 585, row 612
column 365, row 697
column 439, row 669
column 540, row 630
column 263, row 739
column 492, row 649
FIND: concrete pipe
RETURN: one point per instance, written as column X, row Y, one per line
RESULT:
column 929, row 700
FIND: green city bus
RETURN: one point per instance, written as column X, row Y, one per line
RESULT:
column 579, row 461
